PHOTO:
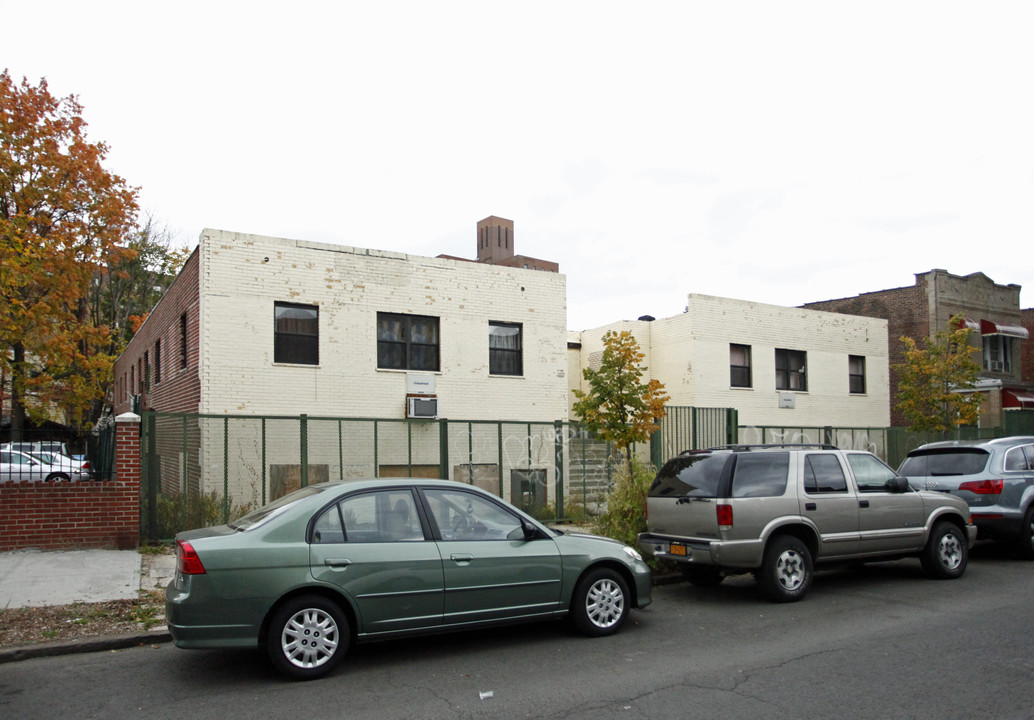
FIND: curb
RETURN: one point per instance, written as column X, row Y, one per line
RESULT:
column 83, row 645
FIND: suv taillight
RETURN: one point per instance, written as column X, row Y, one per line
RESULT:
column 984, row 487
column 724, row 516
column 188, row 561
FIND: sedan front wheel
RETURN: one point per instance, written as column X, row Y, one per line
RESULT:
column 600, row 603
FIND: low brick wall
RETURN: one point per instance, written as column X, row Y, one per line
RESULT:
column 75, row 515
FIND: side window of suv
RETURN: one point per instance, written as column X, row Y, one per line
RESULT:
column 823, row 474
column 870, row 474
column 760, row 474
column 1017, row 458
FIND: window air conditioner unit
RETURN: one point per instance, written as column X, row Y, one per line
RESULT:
column 421, row 407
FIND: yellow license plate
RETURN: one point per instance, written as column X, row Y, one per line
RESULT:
column 674, row 549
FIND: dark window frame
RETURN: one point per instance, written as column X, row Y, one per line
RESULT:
column 790, row 364
column 157, row 361
column 294, row 342
column 740, row 376
column 401, row 349
column 183, row 340
column 505, row 360
column 856, row 376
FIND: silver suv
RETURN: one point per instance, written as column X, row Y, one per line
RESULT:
column 996, row 478
column 777, row 510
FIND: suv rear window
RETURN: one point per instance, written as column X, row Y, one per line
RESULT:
column 690, row 476
column 951, row 461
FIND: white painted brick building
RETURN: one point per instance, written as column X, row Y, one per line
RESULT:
column 242, row 279
column 777, row 366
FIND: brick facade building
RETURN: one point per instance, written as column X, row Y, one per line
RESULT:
column 924, row 309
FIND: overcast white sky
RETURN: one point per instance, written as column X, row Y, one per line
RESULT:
column 775, row 152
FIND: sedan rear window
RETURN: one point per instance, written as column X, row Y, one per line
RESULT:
column 690, row 476
column 264, row 513
column 948, row 462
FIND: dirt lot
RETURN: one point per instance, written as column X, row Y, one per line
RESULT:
column 29, row 625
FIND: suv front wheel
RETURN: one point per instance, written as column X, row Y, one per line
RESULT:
column 946, row 552
column 786, row 569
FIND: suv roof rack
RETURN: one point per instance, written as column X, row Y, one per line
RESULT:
column 749, row 447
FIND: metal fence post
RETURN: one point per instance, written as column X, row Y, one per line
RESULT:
column 304, row 440
column 443, row 450
column 558, row 456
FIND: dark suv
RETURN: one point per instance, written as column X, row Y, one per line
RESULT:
column 996, row 478
column 777, row 510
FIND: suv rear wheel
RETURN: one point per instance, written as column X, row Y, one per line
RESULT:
column 786, row 570
column 702, row 575
column 1026, row 546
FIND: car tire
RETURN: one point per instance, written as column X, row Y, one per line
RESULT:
column 702, row 575
column 1026, row 544
column 786, row 570
column 308, row 636
column 600, row 603
column 57, row 477
column 946, row 552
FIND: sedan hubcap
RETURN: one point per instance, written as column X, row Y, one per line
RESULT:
column 950, row 552
column 604, row 603
column 790, row 570
column 309, row 638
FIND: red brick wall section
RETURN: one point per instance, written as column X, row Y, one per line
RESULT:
column 78, row 515
column 176, row 385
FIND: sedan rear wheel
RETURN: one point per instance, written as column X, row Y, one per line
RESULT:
column 600, row 603
column 308, row 637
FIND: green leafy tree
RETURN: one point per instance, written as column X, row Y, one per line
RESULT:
column 619, row 407
column 937, row 379
column 62, row 217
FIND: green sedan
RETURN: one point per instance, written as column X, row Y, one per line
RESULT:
column 337, row 563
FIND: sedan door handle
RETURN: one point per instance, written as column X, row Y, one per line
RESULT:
column 337, row 562
column 461, row 558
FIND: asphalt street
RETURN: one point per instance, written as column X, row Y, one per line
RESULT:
column 882, row 641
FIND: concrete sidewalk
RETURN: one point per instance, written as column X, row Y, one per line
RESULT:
column 33, row 578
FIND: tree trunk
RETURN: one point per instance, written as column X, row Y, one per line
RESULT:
column 17, row 403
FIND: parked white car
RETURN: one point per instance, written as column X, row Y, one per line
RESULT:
column 21, row 467
column 75, row 469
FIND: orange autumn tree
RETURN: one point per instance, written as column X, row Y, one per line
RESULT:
column 618, row 407
column 62, row 216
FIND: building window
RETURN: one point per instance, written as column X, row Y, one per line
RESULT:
column 407, row 342
column 998, row 353
column 296, row 336
column 505, row 353
column 739, row 366
column 791, row 370
column 147, row 372
column 183, row 340
column 856, row 374
column 157, row 361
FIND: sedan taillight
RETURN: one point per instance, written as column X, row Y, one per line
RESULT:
column 188, row 561
column 984, row 487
